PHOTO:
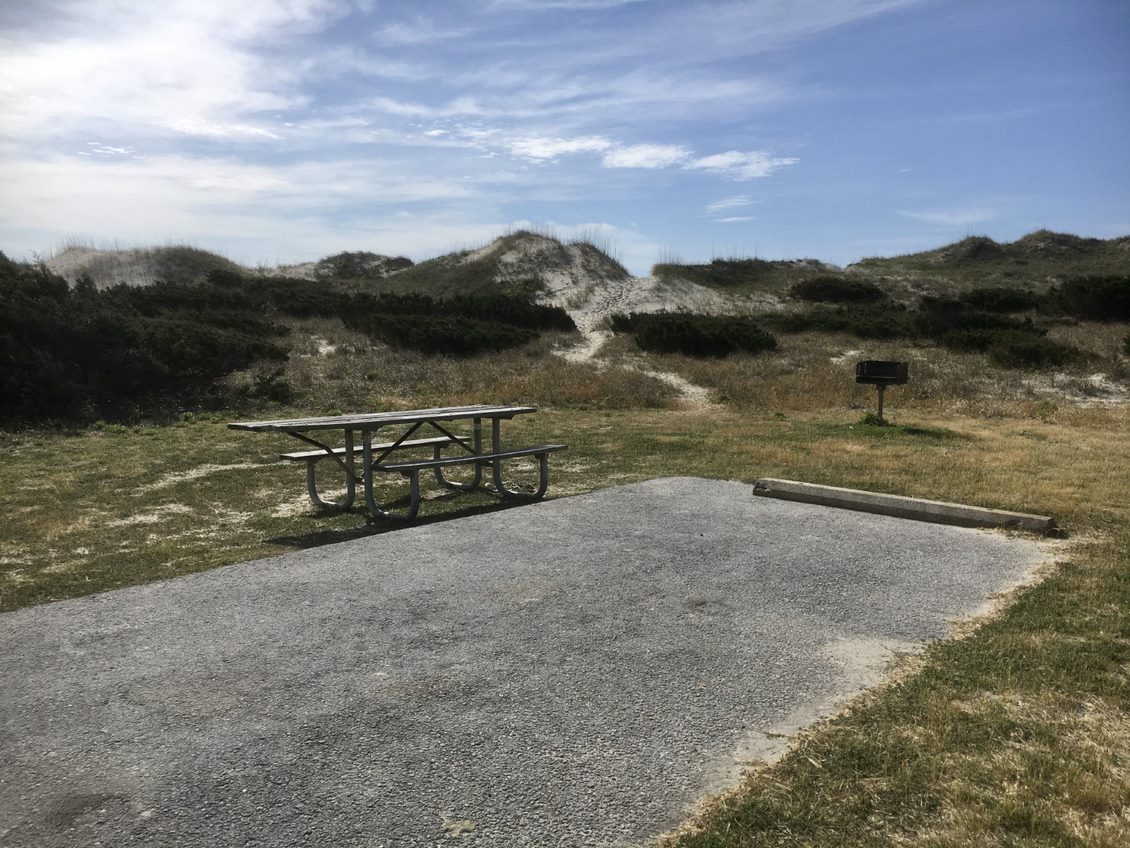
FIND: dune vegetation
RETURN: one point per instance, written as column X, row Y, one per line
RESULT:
column 119, row 470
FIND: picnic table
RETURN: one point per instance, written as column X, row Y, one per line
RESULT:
column 379, row 457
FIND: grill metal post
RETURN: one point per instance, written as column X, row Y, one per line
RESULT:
column 880, row 374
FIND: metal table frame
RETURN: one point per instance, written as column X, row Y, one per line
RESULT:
column 369, row 423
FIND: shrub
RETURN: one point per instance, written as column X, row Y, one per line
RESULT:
column 1001, row 299
column 954, row 324
column 698, row 335
column 117, row 354
column 493, row 308
column 1025, row 350
column 1009, row 342
column 440, row 334
column 887, row 323
column 721, row 273
column 620, row 322
column 1094, row 298
column 360, row 265
column 836, row 290
column 273, row 386
column 939, row 316
column 459, row 326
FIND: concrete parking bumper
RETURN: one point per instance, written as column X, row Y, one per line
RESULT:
column 917, row 509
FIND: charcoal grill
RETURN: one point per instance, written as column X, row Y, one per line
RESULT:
column 881, row 373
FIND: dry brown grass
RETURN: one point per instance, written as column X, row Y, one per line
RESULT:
column 337, row 369
column 816, row 371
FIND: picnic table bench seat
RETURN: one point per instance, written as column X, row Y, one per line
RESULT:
column 313, row 455
column 311, row 458
column 412, row 470
column 466, row 459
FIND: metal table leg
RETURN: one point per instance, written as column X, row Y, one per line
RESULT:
column 367, row 476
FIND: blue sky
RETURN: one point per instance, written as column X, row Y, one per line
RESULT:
column 285, row 130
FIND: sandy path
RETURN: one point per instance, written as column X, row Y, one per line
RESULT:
column 622, row 296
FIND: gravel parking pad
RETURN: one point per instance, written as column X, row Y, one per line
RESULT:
column 573, row 672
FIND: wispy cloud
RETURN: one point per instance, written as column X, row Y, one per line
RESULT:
column 97, row 148
column 551, row 148
column 649, row 156
column 950, row 217
column 420, row 30
column 218, row 129
column 338, row 113
column 733, row 165
column 542, row 5
column 735, row 219
column 735, row 202
column 163, row 195
column 741, row 166
column 152, row 66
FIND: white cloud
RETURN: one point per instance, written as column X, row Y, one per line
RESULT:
column 735, row 202
column 217, row 129
column 740, row 166
column 400, row 107
column 550, row 148
column 538, row 5
column 100, row 149
column 162, row 197
column 419, row 31
column 742, row 28
column 646, row 156
column 153, row 65
column 735, row 219
column 459, row 107
column 950, row 217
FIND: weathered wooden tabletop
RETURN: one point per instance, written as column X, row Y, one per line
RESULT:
column 373, row 420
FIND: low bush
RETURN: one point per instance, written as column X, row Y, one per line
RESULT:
column 499, row 309
column 621, row 323
column 829, row 289
column 1009, row 342
column 695, row 335
column 940, row 316
column 1093, row 298
column 721, row 273
column 886, row 323
column 441, row 334
column 82, row 355
column 360, row 265
column 459, row 326
column 1011, row 349
column 1001, row 299
column 953, row 324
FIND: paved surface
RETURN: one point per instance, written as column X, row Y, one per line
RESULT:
column 575, row 672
